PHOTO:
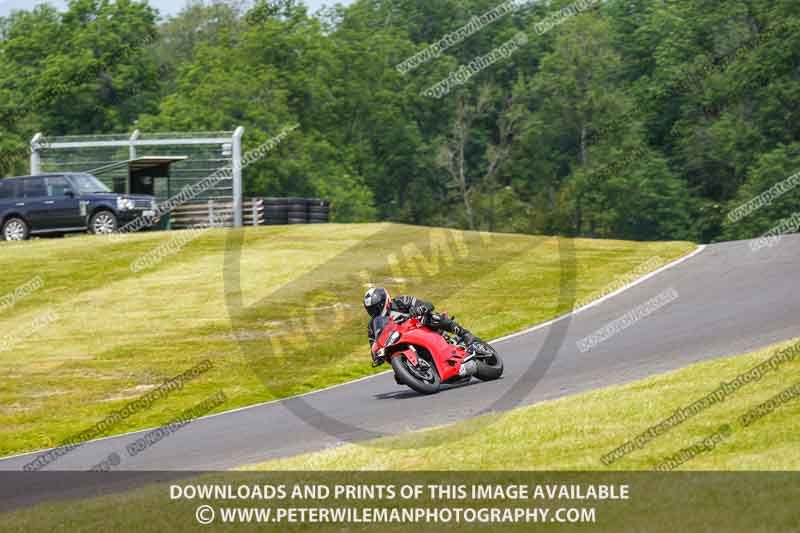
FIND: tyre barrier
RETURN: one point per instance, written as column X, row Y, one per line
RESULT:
column 319, row 211
column 276, row 211
column 292, row 210
column 255, row 211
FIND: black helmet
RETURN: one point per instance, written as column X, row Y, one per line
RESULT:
column 377, row 301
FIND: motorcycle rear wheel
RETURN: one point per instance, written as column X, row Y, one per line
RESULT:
column 490, row 368
column 413, row 377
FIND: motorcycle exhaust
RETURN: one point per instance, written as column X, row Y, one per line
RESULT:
column 469, row 368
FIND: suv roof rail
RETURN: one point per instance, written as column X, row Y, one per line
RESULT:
column 46, row 175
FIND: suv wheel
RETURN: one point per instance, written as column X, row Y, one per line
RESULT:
column 103, row 223
column 15, row 229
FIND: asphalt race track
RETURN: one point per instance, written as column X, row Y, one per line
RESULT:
column 730, row 300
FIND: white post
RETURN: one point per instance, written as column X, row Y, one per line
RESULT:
column 132, row 150
column 36, row 159
column 237, row 177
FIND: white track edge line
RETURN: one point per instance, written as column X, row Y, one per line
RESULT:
column 634, row 283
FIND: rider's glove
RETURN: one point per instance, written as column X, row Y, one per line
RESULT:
column 433, row 320
column 420, row 310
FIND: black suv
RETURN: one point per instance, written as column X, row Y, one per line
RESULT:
column 65, row 203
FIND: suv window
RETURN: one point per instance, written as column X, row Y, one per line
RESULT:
column 33, row 188
column 88, row 184
column 57, row 186
column 7, row 189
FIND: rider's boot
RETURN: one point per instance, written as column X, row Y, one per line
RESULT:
column 466, row 336
column 445, row 323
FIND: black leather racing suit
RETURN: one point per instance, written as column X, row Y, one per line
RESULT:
column 409, row 305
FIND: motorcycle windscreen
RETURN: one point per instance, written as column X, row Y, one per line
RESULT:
column 378, row 323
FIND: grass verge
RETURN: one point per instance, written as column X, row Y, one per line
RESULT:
column 567, row 434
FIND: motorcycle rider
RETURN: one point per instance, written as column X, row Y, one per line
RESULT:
column 378, row 302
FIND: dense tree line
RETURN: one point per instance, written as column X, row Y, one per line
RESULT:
column 631, row 119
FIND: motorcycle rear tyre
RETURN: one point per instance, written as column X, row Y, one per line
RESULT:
column 489, row 369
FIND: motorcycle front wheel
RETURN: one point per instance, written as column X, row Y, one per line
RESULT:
column 423, row 378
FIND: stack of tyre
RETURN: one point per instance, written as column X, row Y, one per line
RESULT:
column 297, row 210
column 319, row 211
column 280, row 211
column 276, row 211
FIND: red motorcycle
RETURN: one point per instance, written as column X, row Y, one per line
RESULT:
column 424, row 359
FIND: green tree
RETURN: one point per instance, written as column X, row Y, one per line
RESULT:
column 776, row 179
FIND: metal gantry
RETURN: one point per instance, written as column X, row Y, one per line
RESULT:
column 106, row 155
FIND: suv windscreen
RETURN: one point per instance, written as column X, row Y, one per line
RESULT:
column 88, row 184
column 7, row 189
